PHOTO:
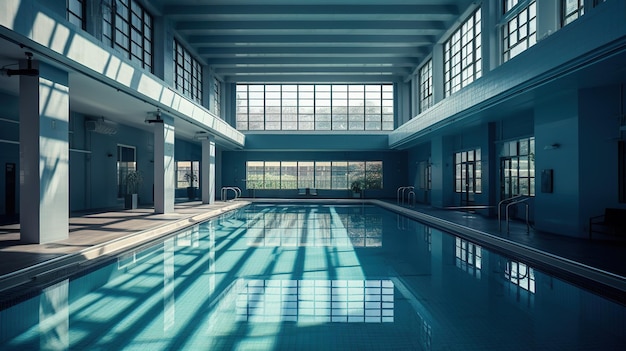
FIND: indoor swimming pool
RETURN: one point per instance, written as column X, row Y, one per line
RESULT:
column 312, row 277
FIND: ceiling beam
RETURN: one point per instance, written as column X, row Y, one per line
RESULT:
column 293, row 78
column 305, row 70
column 261, row 27
column 230, row 40
column 311, row 51
column 243, row 61
column 415, row 11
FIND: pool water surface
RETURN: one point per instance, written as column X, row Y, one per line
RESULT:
column 313, row 277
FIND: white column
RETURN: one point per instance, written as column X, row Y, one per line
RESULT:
column 207, row 172
column 164, row 180
column 44, row 155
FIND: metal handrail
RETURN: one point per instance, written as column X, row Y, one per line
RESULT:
column 507, row 214
column 400, row 198
column 235, row 189
column 411, row 192
column 500, row 209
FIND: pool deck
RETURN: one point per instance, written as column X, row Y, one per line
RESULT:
column 94, row 235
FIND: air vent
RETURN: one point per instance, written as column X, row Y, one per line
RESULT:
column 101, row 126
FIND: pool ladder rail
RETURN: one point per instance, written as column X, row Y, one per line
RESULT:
column 235, row 189
column 514, row 200
column 400, row 195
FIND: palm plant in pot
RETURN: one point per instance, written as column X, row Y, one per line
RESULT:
column 191, row 179
column 133, row 181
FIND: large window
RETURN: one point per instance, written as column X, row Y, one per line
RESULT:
column 520, row 31
column 76, row 11
column 126, row 163
column 187, row 174
column 128, row 28
column 426, row 86
column 315, row 107
column 517, row 166
column 571, row 10
column 216, row 106
column 187, row 73
column 468, row 175
column 462, row 55
column 313, row 174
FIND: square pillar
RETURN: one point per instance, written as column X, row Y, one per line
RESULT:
column 44, row 155
column 207, row 171
column 164, row 180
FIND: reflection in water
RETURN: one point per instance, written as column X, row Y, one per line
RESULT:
column 169, row 310
column 54, row 317
column 344, row 301
column 468, row 256
column 231, row 295
column 314, row 226
column 520, row 275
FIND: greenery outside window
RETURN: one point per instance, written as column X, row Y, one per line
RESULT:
column 314, row 174
column 187, row 174
column 126, row 163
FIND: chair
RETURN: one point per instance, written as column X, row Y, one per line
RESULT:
column 301, row 191
column 313, row 192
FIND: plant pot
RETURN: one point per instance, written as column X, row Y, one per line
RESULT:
column 356, row 195
column 191, row 192
column 131, row 201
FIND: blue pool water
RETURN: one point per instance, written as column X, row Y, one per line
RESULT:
column 313, row 277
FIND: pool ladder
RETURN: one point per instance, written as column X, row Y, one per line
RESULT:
column 235, row 189
column 517, row 199
column 410, row 195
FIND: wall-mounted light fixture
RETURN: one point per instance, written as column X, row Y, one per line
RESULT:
column 201, row 136
column 29, row 71
column 552, row 146
column 154, row 117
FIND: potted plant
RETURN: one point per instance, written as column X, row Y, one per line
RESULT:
column 191, row 179
column 133, row 181
column 356, row 189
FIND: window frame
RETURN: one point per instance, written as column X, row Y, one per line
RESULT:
column 193, row 168
column 521, row 22
column 188, row 73
column 319, row 174
column 462, row 69
column 315, row 107
column 426, row 86
column 570, row 16
column 123, row 167
column 118, row 29
column 80, row 17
